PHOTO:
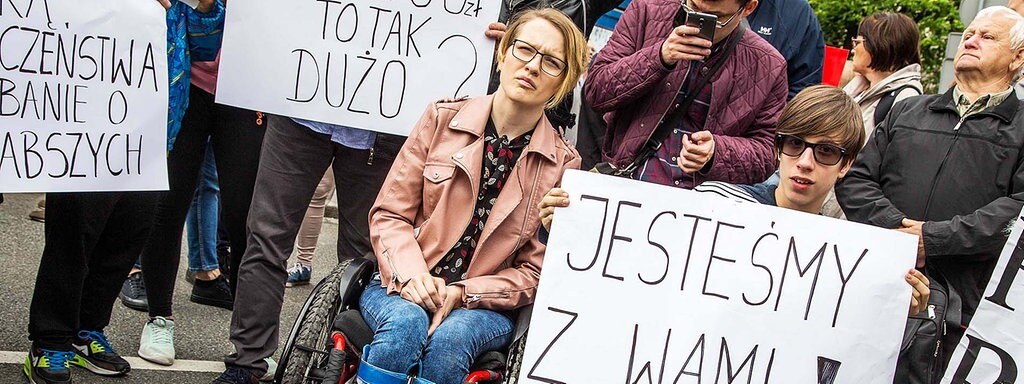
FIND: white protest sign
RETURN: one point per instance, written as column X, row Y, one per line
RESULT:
column 370, row 64
column 644, row 283
column 83, row 95
column 992, row 350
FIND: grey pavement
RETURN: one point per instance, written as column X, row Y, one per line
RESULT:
column 201, row 332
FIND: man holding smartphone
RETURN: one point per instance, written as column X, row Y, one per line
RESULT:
column 683, row 107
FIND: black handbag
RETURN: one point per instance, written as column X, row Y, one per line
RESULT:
column 668, row 120
column 922, row 353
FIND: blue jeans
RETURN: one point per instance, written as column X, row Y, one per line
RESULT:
column 202, row 219
column 400, row 336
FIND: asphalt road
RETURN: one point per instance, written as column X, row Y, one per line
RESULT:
column 201, row 332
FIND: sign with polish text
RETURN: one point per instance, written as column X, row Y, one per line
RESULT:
column 992, row 350
column 646, row 284
column 368, row 64
column 83, row 95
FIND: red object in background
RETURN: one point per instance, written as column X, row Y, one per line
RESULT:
column 835, row 61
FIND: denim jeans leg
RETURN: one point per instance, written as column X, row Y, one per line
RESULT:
column 399, row 329
column 461, row 337
column 201, row 223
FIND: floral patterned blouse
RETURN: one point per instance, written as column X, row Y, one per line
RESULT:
column 500, row 156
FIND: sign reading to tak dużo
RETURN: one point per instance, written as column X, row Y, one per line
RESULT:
column 651, row 284
column 83, row 95
column 369, row 64
column 992, row 350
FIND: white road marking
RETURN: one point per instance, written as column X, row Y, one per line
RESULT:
column 11, row 357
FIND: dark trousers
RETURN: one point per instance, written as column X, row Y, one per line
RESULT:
column 293, row 161
column 92, row 240
column 235, row 135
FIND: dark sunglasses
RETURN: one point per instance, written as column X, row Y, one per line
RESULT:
column 824, row 153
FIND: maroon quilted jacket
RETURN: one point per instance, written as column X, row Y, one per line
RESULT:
column 629, row 83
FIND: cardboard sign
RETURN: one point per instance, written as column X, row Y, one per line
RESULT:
column 992, row 350
column 83, row 95
column 644, row 283
column 369, row 64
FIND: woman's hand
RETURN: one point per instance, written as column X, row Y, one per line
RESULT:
column 425, row 290
column 919, row 300
column 165, row 3
column 453, row 299
column 556, row 197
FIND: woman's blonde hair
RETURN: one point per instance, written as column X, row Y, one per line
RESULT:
column 825, row 111
column 574, row 45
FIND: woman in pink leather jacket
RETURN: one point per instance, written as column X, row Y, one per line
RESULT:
column 454, row 225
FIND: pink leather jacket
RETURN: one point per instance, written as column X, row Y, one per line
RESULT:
column 427, row 201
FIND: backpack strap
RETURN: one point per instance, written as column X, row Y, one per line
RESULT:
column 887, row 100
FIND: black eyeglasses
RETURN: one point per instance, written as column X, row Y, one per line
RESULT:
column 824, row 153
column 525, row 52
column 688, row 6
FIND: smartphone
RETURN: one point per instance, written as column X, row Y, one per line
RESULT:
column 703, row 21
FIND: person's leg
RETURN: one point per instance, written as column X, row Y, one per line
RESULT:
column 162, row 253
column 464, row 335
column 72, row 233
column 399, row 329
column 209, row 287
column 292, row 162
column 361, row 173
column 206, row 212
column 120, row 242
column 237, row 141
column 309, row 231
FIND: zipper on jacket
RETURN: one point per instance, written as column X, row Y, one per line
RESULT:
column 395, row 278
column 529, row 204
column 942, row 164
column 472, row 298
column 369, row 160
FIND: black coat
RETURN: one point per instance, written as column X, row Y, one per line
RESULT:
column 967, row 184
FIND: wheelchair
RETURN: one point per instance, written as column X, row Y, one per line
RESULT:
column 327, row 339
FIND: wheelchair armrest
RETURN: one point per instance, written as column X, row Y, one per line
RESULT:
column 353, row 280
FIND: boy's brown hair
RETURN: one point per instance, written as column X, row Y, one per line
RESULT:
column 825, row 111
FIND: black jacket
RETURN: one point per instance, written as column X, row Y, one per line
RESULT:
column 967, row 184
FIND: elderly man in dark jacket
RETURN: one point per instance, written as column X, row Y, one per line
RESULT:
column 651, row 64
column 949, row 168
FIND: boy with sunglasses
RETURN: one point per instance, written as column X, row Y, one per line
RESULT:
column 818, row 138
column 819, row 135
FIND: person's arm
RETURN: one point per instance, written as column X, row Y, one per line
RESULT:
column 750, row 158
column 625, row 70
column 399, row 256
column 978, row 235
column 515, row 286
column 859, row 193
column 205, row 29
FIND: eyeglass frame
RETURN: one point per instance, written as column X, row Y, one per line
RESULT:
column 718, row 24
column 779, row 144
column 537, row 52
column 855, row 41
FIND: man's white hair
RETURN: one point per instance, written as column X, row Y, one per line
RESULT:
column 1016, row 32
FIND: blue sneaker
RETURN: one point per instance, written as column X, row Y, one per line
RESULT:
column 46, row 366
column 298, row 274
column 94, row 352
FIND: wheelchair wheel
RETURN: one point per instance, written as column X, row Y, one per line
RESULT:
column 309, row 340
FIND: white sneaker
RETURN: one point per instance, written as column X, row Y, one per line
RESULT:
column 157, row 344
column 271, row 369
